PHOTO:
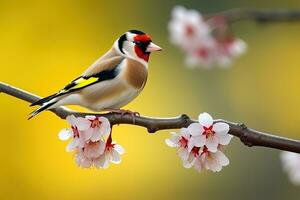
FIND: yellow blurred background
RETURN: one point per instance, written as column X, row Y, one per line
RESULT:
column 45, row 44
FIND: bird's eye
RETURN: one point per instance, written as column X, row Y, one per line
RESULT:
column 139, row 43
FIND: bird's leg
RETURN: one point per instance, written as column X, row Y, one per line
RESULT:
column 125, row 112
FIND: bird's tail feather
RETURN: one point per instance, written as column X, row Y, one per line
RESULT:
column 42, row 108
column 44, row 100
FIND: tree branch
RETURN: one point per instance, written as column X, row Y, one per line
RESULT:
column 258, row 15
column 248, row 136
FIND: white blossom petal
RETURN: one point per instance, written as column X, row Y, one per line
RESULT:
column 94, row 149
column 86, row 163
column 82, row 123
column 221, row 158
column 102, row 161
column 105, row 128
column 96, row 135
column 220, row 128
column 212, row 143
column 198, row 165
column 71, row 119
column 119, row 149
column 213, row 165
column 225, row 139
column 173, row 141
column 65, row 134
column 195, row 129
column 205, row 120
column 115, row 157
column 183, row 153
column 87, row 134
column 73, row 144
column 199, row 141
column 189, row 161
column 184, row 132
column 291, row 165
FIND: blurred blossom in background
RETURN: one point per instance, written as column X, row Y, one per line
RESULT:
column 46, row 44
column 291, row 165
column 206, row 43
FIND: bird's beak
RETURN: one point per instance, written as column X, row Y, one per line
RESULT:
column 153, row 47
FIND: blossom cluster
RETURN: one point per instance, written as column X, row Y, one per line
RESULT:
column 201, row 144
column 291, row 165
column 206, row 42
column 91, row 141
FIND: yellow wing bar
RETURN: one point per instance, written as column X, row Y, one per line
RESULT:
column 79, row 83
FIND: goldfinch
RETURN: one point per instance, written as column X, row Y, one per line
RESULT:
column 112, row 81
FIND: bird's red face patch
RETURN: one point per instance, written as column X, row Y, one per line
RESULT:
column 141, row 44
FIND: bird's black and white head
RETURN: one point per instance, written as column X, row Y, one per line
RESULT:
column 136, row 45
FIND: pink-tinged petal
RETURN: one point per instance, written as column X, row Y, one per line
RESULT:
column 199, row 141
column 79, row 157
column 90, row 117
column 191, row 144
column 173, row 141
column 189, row 162
column 115, row 157
column 101, row 162
column 65, row 134
column 71, row 119
column 178, row 12
column 73, row 144
column 86, row 163
column 220, row 128
column 81, row 142
column 225, row 139
column 195, row 129
column 213, row 165
column 221, row 158
column 205, row 120
column 96, row 135
column 212, row 143
column 196, row 141
column 105, row 127
column 184, row 132
column 82, row 123
column 119, row 149
column 87, row 134
column 94, row 149
column 106, row 160
column 198, row 165
column 183, row 153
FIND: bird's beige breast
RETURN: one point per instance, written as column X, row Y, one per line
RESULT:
column 135, row 74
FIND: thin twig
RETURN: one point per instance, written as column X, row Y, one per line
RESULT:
column 248, row 136
column 258, row 15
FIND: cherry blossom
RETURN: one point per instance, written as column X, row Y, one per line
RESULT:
column 201, row 144
column 188, row 28
column 209, row 134
column 88, row 141
column 205, row 42
column 99, row 154
column 90, row 153
column 112, row 154
column 99, row 127
column 77, row 132
column 181, row 141
column 202, row 158
column 291, row 165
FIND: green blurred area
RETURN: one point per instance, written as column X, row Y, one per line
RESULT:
column 45, row 44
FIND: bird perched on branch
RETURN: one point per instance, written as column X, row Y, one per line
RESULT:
column 112, row 81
